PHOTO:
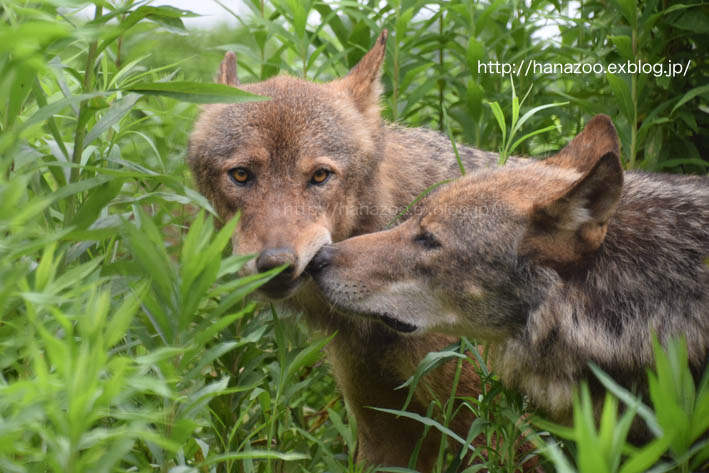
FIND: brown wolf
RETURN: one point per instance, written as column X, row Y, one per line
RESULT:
column 317, row 164
column 556, row 263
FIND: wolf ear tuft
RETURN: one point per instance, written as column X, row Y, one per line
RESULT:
column 227, row 70
column 363, row 82
column 572, row 223
column 597, row 139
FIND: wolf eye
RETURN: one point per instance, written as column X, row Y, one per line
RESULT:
column 427, row 240
column 240, row 176
column 320, row 176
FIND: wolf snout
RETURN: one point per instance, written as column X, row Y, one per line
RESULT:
column 321, row 260
column 275, row 257
column 282, row 285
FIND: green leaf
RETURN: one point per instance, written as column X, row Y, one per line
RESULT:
column 670, row 163
column 647, row 456
column 196, row 92
column 397, row 469
column 418, row 198
column 515, row 108
column 561, row 463
column 118, row 110
column 414, row 74
column 166, row 16
column 624, row 46
column 158, row 355
column 21, row 86
column 25, row 39
column 212, row 330
column 474, row 53
column 500, row 117
column 300, row 16
column 402, row 24
column 453, row 143
column 426, row 421
column 208, row 356
column 255, row 454
column 621, row 91
column 55, row 107
column 429, row 362
column 590, row 454
column 532, row 112
column 151, row 256
column 71, row 276
column 474, row 95
column 628, row 398
column 629, row 11
column 529, row 135
column 121, row 319
column 307, row 357
column 96, row 201
column 696, row 21
column 335, row 23
column 690, row 95
column 46, row 269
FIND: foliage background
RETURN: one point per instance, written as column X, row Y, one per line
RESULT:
column 126, row 341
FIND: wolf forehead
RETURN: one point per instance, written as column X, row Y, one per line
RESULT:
column 499, row 190
column 300, row 118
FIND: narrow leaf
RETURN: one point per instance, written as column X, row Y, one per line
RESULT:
column 196, row 92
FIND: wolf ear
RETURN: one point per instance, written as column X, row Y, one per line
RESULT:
column 362, row 82
column 597, row 139
column 572, row 223
column 227, row 70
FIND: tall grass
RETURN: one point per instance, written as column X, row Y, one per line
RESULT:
column 127, row 343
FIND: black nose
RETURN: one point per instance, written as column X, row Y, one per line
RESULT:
column 275, row 257
column 321, row 260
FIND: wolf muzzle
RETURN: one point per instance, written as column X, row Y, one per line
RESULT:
column 285, row 281
column 321, row 260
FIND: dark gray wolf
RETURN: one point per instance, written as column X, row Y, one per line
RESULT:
column 317, row 164
column 557, row 264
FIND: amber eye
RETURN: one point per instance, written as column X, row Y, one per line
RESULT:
column 320, row 176
column 240, row 176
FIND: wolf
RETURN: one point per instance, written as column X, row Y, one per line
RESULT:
column 555, row 263
column 317, row 164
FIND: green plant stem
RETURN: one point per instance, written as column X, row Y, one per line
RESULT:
column 263, row 47
column 81, row 122
column 634, row 93
column 441, row 81
column 395, row 78
column 449, row 407
column 272, row 427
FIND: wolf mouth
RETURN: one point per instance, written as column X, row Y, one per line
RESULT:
column 396, row 324
column 386, row 318
column 276, row 289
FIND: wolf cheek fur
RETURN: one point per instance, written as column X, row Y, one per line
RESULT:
column 573, row 264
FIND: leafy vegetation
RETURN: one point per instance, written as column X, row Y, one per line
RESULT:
column 128, row 343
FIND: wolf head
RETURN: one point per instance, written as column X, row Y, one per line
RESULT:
column 475, row 257
column 296, row 166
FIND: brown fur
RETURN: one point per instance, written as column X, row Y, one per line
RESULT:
column 376, row 170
